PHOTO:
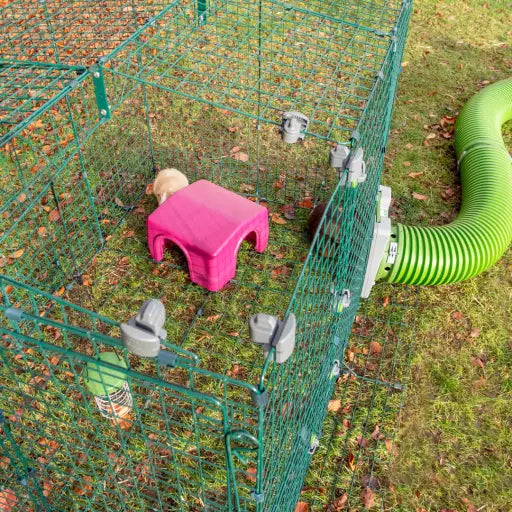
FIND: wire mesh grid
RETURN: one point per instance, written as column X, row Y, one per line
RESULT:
column 170, row 449
column 351, row 468
column 282, row 59
column 81, row 191
column 285, row 56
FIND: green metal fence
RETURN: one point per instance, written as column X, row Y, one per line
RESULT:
column 94, row 98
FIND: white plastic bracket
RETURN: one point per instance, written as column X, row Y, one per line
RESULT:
column 381, row 236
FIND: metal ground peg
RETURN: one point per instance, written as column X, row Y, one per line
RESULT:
column 269, row 331
column 293, row 126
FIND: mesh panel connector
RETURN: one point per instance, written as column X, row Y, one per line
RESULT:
column 270, row 332
column 293, row 127
column 143, row 334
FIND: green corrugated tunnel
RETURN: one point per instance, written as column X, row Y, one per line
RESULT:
column 481, row 233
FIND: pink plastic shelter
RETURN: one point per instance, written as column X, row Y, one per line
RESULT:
column 208, row 223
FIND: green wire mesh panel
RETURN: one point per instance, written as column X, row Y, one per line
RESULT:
column 352, row 467
column 200, row 87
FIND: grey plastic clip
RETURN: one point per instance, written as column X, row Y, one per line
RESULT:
column 336, row 369
column 269, row 331
column 258, row 497
column 313, row 444
column 166, row 358
column 293, row 126
column 260, row 399
column 23, row 480
column 142, row 334
column 15, row 314
column 341, row 300
column 338, row 158
column 357, row 168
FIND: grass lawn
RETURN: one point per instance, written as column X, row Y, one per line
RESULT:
column 453, row 447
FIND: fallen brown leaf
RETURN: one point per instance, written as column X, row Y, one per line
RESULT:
column 375, row 348
column 8, row 500
column 306, row 203
column 54, row 216
column 367, row 498
column 415, row 175
column 242, row 157
column 288, row 211
column 407, row 164
column 457, row 315
column 477, row 361
column 18, row 254
column 420, row 197
column 338, row 504
column 83, row 487
column 351, row 462
column 301, row 506
column 447, row 193
column 334, row 406
column 277, row 219
column 475, row 332
column 251, row 474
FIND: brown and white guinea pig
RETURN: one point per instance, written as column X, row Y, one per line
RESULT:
column 330, row 228
column 168, row 182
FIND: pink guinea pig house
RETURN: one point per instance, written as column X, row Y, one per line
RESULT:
column 208, row 223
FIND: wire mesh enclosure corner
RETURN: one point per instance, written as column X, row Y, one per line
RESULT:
column 95, row 97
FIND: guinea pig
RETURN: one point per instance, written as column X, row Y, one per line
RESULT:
column 168, row 182
column 330, row 227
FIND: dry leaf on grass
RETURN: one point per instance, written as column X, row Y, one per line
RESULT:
column 302, row 506
column 242, row 157
column 288, row 211
column 250, row 474
column 8, row 500
column 277, row 219
column 338, row 505
column 334, row 406
column 367, row 497
column 375, row 348
column 420, row 197
column 54, row 216
column 475, row 332
column 415, row 175
column 306, row 203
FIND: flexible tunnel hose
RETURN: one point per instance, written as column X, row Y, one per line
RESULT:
column 482, row 231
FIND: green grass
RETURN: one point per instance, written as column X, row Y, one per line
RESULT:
column 453, row 446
